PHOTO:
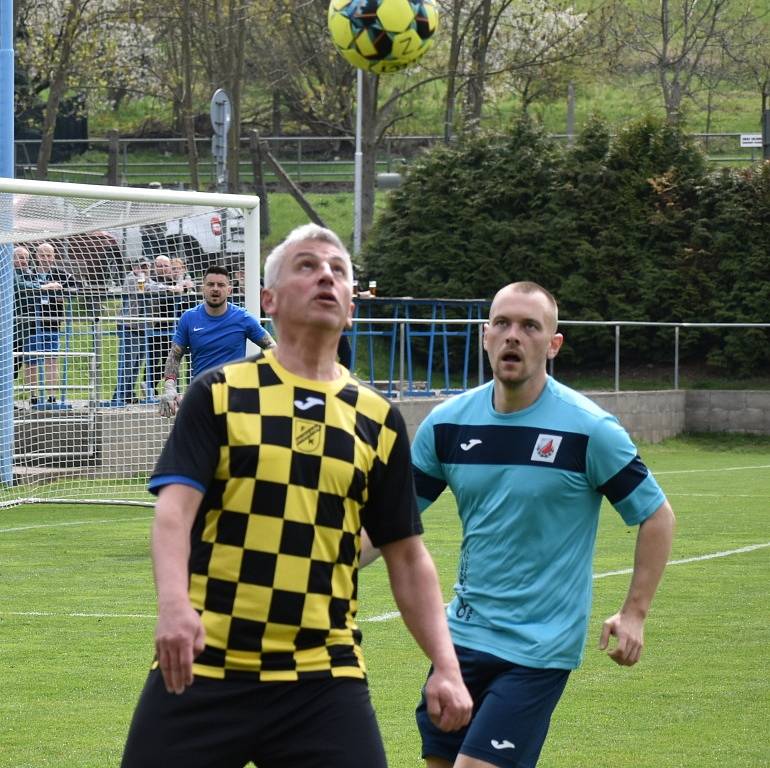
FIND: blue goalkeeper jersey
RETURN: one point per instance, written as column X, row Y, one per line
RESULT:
column 528, row 487
column 216, row 340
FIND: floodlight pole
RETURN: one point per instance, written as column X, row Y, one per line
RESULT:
column 358, row 170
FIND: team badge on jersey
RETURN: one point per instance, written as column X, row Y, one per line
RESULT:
column 308, row 436
column 546, row 448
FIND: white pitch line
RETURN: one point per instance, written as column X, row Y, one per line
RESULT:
column 624, row 571
column 79, row 615
column 390, row 614
column 718, row 469
column 74, row 522
column 719, row 495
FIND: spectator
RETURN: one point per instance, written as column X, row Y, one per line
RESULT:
column 54, row 285
column 183, row 280
column 154, row 234
column 24, row 289
column 131, row 332
column 181, row 276
column 162, row 293
column 214, row 333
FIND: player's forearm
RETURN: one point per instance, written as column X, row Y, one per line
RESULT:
column 173, row 362
column 369, row 553
column 174, row 515
column 416, row 589
column 266, row 341
column 653, row 546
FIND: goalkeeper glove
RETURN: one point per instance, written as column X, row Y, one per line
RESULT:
column 169, row 400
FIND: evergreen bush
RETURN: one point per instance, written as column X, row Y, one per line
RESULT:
column 633, row 227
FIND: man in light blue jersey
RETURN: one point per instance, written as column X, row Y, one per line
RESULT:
column 529, row 461
column 214, row 332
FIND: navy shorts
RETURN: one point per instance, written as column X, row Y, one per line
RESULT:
column 512, row 707
column 315, row 723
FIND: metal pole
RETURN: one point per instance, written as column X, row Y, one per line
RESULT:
column 617, row 358
column 358, row 171
column 676, row 357
column 401, row 358
column 7, row 169
column 481, row 354
column 251, row 266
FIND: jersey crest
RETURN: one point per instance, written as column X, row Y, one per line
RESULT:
column 546, row 448
column 308, row 436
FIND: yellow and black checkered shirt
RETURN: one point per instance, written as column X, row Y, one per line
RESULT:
column 291, row 469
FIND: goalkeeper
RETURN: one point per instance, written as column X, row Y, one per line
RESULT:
column 214, row 332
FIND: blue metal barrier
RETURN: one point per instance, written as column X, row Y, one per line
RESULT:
column 423, row 320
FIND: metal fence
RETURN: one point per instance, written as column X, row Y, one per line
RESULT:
column 306, row 159
column 443, row 372
column 423, row 347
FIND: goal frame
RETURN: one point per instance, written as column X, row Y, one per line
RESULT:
column 248, row 204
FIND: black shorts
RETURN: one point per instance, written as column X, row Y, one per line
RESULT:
column 512, row 708
column 225, row 724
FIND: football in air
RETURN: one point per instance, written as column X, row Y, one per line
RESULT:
column 382, row 36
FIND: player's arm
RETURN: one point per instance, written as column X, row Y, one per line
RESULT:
column 256, row 332
column 179, row 634
column 170, row 399
column 415, row 587
column 653, row 545
column 369, row 553
column 427, row 486
column 266, row 341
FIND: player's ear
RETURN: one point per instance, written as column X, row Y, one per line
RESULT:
column 267, row 299
column 555, row 345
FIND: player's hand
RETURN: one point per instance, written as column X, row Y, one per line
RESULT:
column 179, row 638
column 449, row 704
column 629, row 631
column 169, row 400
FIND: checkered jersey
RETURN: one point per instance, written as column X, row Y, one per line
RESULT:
column 292, row 469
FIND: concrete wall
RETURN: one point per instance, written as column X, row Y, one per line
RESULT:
column 746, row 411
column 126, row 442
column 654, row 416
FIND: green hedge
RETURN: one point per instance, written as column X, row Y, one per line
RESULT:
column 634, row 227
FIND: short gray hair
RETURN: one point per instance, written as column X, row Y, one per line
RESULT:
column 305, row 232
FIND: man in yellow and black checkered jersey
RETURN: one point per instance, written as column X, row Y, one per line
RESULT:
column 274, row 465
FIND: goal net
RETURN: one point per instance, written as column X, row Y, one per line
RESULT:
column 92, row 282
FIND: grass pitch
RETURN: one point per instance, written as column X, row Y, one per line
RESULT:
column 77, row 614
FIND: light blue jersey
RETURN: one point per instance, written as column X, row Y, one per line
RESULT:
column 216, row 340
column 528, row 486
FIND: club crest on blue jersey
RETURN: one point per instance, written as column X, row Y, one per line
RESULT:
column 546, row 448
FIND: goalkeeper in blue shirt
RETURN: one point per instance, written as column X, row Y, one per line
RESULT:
column 529, row 462
column 214, row 332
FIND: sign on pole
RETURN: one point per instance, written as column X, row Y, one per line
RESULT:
column 221, row 109
column 751, row 140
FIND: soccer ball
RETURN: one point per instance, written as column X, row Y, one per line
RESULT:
column 382, row 35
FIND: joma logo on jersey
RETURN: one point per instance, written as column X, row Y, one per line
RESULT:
column 546, row 448
column 307, row 436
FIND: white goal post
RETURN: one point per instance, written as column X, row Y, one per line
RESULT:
column 92, row 280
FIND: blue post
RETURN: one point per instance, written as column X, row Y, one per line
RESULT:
column 6, row 251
